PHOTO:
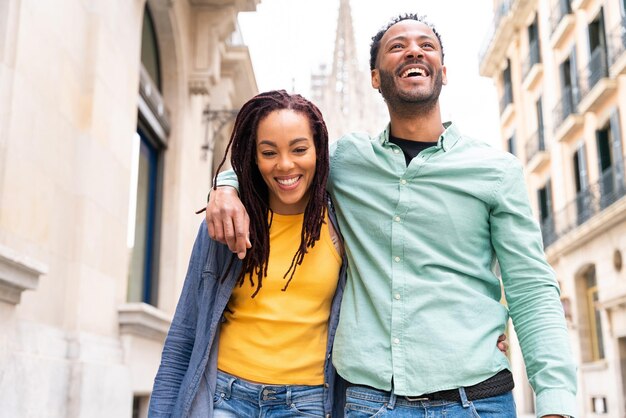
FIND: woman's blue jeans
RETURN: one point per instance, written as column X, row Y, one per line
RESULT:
column 235, row 397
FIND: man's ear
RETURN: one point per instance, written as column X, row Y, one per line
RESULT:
column 375, row 79
column 444, row 77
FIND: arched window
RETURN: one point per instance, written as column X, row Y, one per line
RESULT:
column 150, row 49
column 149, row 144
column 589, row 318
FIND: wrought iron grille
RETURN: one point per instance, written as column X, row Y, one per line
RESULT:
column 595, row 70
column 564, row 107
column 609, row 188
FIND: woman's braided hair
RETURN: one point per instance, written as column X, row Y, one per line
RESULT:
column 253, row 191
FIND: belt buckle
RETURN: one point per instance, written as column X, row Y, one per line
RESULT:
column 417, row 398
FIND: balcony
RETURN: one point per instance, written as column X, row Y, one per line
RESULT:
column 562, row 22
column 596, row 199
column 508, row 16
column 532, row 67
column 595, row 86
column 617, row 49
column 496, row 42
column 566, row 120
column 536, row 151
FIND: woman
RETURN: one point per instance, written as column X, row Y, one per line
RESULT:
column 254, row 336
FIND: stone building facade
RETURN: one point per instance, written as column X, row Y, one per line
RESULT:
column 112, row 114
column 560, row 70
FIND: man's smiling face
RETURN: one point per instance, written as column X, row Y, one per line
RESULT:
column 409, row 66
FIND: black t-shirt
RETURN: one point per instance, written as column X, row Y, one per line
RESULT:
column 411, row 149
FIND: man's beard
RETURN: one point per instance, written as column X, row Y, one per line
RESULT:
column 415, row 100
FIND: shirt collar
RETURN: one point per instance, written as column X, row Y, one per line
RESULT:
column 447, row 140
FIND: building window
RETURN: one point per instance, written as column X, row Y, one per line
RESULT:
column 545, row 202
column 569, row 88
column 150, row 49
column 146, row 184
column 589, row 318
column 536, row 142
column 597, row 38
column 583, row 201
column 507, row 94
column 510, row 145
column 597, row 66
column 546, row 220
column 533, row 41
column 605, row 167
column 142, row 278
column 539, row 112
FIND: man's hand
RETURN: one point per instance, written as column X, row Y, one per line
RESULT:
column 228, row 221
column 502, row 344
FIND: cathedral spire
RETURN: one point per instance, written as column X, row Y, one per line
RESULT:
column 343, row 92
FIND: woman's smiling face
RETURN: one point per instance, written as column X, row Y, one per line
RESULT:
column 286, row 158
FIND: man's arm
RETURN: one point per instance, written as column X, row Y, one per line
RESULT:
column 532, row 295
column 226, row 218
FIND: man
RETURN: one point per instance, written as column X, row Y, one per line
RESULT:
column 425, row 212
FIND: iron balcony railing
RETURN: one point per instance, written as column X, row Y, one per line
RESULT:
column 596, row 69
column 507, row 97
column 610, row 188
column 617, row 42
column 534, row 57
column 560, row 9
column 499, row 13
column 564, row 107
column 535, row 144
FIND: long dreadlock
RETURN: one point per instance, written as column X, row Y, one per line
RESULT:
column 253, row 191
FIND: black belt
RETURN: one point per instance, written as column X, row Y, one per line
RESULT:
column 496, row 385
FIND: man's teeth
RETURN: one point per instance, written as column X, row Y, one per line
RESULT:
column 412, row 72
column 288, row 182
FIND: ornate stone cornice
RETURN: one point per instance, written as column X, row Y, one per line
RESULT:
column 17, row 274
column 143, row 320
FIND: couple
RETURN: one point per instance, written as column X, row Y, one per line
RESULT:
column 424, row 212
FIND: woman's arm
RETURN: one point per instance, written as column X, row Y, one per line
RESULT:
column 181, row 336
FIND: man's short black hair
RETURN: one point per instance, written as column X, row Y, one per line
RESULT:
column 375, row 45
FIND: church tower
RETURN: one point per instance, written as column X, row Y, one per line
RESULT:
column 344, row 93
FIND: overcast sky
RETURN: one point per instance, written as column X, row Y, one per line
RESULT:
column 288, row 39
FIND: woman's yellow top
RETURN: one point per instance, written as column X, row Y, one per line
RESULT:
column 279, row 337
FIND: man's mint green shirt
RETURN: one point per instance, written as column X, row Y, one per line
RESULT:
column 422, row 304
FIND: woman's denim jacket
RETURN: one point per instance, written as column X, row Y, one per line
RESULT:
column 185, row 383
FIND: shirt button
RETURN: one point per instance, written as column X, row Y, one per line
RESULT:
column 396, row 259
column 403, row 181
column 397, row 219
column 396, row 340
column 397, row 296
column 397, row 151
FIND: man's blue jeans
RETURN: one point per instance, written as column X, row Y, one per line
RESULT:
column 367, row 402
column 235, row 397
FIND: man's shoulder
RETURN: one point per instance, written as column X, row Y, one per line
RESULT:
column 351, row 144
